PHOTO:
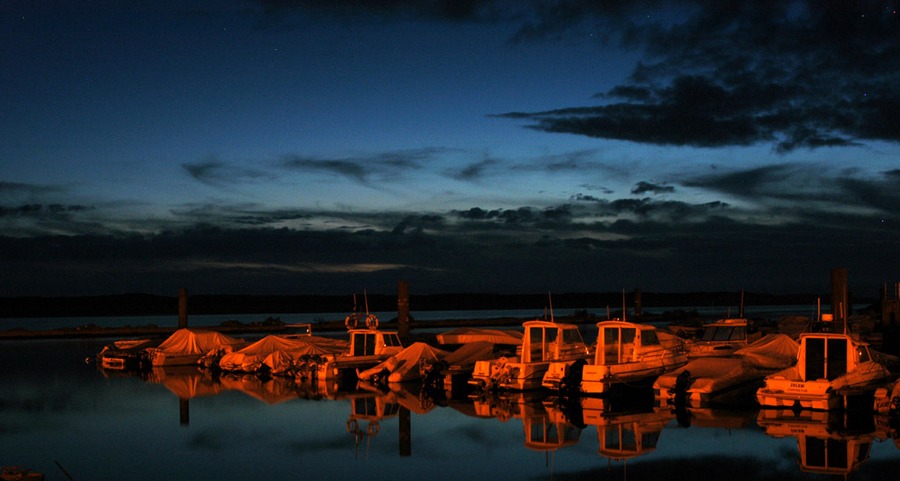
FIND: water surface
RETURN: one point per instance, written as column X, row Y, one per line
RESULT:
column 59, row 412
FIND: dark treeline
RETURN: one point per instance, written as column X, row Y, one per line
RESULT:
column 147, row 304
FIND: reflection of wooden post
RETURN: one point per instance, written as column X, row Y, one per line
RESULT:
column 839, row 306
column 405, row 433
column 182, row 308
column 637, row 303
column 184, row 406
column 403, row 309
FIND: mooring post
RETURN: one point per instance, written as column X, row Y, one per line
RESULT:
column 405, row 433
column 403, row 309
column 839, row 306
column 637, row 302
column 184, row 411
column 182, row 308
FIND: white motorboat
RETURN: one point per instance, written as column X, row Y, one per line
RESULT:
column 544, row 342
column 722, row 338
column 626, row 353
column 830, row 368
column 710, row 379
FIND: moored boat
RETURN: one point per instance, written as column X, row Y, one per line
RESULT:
column 186, row 346
column 722, row 338
column 544, row 342
column 831, row 369
column 729, row 380
column 626, row 353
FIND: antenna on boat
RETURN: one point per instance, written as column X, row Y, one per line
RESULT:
column 624, row 309
column 366, row 299
column 741, row 311
column 552, row 319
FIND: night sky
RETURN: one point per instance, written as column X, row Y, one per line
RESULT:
column 326, row 147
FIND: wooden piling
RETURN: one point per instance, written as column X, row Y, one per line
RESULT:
column 839, row 306
column 182, row 308
column 405, row 433
column 403, row 310
column 637, row 302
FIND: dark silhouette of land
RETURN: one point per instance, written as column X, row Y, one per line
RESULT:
column 156, row 305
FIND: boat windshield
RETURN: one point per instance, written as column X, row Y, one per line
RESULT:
column 649, row 338
column 572, row 336
column 724, row 333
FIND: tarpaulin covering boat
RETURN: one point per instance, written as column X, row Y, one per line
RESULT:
column 708, row 379
column 404, row 366
column 278, row 353
column 187, row 346
column 465, row 335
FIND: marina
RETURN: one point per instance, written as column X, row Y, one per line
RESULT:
column 187, row 424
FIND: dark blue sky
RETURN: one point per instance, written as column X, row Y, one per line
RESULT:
column 501, row 146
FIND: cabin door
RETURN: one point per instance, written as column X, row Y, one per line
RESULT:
column 363, row 344
column 541, row 345
column 837, row 358
column 618, row 345
column 610, row 345
column 825, row 360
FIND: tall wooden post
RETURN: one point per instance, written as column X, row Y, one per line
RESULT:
column 184, row 411
column 405, row 432
column 839, row 306
column 182, row 308
column 403, row 309
column 637, row 303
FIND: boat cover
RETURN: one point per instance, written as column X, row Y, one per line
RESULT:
column 278, row 353
column 466, row 335
column 404, row 366
column 188, row 342
column 468, row 354
column 774, row 351
column 770, row 353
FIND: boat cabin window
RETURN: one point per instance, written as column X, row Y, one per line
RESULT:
column 572, row 336
column 863, row 354
column 649, row 338
column 392, row 340
column 724, row 333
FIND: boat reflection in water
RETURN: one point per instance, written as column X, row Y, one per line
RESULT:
column 829, row 443
column 544, row 430
column 327, row 430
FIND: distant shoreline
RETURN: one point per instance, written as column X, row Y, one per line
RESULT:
column 156, row 305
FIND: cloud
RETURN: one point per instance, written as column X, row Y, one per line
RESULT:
column 362, row 169
column 217, row 173
column 644, row 187
column 806, row 189
column 790, row 74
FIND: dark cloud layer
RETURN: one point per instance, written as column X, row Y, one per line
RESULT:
column 590, row 244
column 789, row 74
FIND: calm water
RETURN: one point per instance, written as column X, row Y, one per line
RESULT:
column 764, row 312
column 181, row 424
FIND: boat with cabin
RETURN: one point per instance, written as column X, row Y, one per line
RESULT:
column 543, row 343
column 831, row 370
column 722, row 338
column 626, row 353
column 733, row 379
